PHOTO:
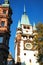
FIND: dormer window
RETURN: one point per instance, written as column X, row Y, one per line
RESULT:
column 24, row 37
column 2, row 23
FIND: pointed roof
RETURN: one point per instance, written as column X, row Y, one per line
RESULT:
column 19, row 27
column 34, row 26
column 18, row 24
column 24, row 18
column 6, row 3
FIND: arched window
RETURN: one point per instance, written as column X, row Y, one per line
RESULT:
column 28, row 27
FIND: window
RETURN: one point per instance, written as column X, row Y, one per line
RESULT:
column 24, row 27
column 24, row 53
column 2, row 23
column 34, row 54
column 4, row 11
column 1, row 39
column 28, row 27
column 30, row 60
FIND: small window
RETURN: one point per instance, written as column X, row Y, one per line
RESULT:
column 28, row 27
column 30, row 60
column 24, row 53
column 24, row 27
column 1, row 39
column 4, row 11
column 30, row 36
column 34, row 55
column 2, row 23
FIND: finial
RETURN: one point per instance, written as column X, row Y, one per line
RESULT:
column 6, row 1
column 34, row 26
column 24, row 9
column 18, row 24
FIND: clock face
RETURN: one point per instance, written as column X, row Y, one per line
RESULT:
column 28, row 46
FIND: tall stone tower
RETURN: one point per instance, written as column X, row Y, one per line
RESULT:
column 5, row 22
column 26, row 48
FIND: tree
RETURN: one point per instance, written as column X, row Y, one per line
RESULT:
column 40, row 42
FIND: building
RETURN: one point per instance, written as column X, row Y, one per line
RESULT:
column 26, row 48
column 5, row 22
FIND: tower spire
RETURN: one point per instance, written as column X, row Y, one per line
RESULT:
column 24, row 9
column 24, row 18
column 18, row 24
column 34, row 26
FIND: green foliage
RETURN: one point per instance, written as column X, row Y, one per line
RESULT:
column 40, row 42
column 40, row 29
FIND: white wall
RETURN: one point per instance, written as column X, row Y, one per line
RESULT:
column 29, row 55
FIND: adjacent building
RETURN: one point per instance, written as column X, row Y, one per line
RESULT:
column 5, row 22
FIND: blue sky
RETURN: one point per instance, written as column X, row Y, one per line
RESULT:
column 34, row 9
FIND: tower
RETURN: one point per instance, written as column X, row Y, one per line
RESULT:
column 5, row 22
column 26, row 49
